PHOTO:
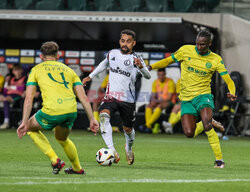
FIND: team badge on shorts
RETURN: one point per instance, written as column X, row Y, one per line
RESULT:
column 45, row 122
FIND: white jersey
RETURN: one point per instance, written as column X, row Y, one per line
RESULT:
column 122, row 74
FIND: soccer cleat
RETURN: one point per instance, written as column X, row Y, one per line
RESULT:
column 144, row 129
column 147, row 130
column 218, row 125
column 71, row 171
column 167, row 127
column 130, row 157
column 141, row 128
column 57, row 166
column 4, row 126
column 156, row 129
column 117, row 157
column 219, row 164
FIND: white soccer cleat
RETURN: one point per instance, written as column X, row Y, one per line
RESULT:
column 130, row 157
column 167, row 127
column 4, row 126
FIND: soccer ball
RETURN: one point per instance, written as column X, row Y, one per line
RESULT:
column 105, row 157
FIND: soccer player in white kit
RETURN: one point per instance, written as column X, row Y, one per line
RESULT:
column 125, row 67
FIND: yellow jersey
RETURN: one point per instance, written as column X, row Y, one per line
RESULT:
column 178, row 84
column 197, row 71
column 56, row 82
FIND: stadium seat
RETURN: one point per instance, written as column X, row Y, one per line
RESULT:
column 131, row 6
column 3, row 4
column 104, row 5
column 156, row 5
column 204, row 5
column 22, row 4
column 182, row 5
column 77, row 5
column 49, row 5
column 211, row 4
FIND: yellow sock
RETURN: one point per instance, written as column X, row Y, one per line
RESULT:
column 154, row 117
column 148, row 114
column 96, row 115
column 199, row 129
column 174, row 118
column 43, row 144
column 71, row 152
column 214, row 141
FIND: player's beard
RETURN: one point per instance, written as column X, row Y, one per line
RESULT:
column 125, row 51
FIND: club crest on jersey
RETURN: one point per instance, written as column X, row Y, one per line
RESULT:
column 59, row 100
column 127, row 62
column 208, row 65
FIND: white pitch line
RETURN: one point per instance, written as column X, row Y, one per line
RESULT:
column 124, row 181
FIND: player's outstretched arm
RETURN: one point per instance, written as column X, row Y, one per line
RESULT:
column 231, row 87
column 27, row 107
column 80, row 93
column 101, row 67
column 162, row 63
column 144, row 70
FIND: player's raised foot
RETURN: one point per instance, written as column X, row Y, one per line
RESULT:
column 57, row 166
column 130, row 157
column 71, row 171
column 218, row 125
column 117, row 157
column 219, row 164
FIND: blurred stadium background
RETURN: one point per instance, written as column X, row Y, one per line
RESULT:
column 86, row 29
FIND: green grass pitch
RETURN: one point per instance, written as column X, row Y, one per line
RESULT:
column 162, row 163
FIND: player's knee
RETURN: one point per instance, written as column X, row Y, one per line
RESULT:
column 127, row 130
column 104, row 116
column 189, row 133
column 61, row 138
column 150, row 105
column 161, row 105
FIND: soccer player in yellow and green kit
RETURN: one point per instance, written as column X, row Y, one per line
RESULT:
column 198, row 64
column 59, row 87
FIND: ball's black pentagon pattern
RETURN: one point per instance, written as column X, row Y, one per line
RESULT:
column 105, row 157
